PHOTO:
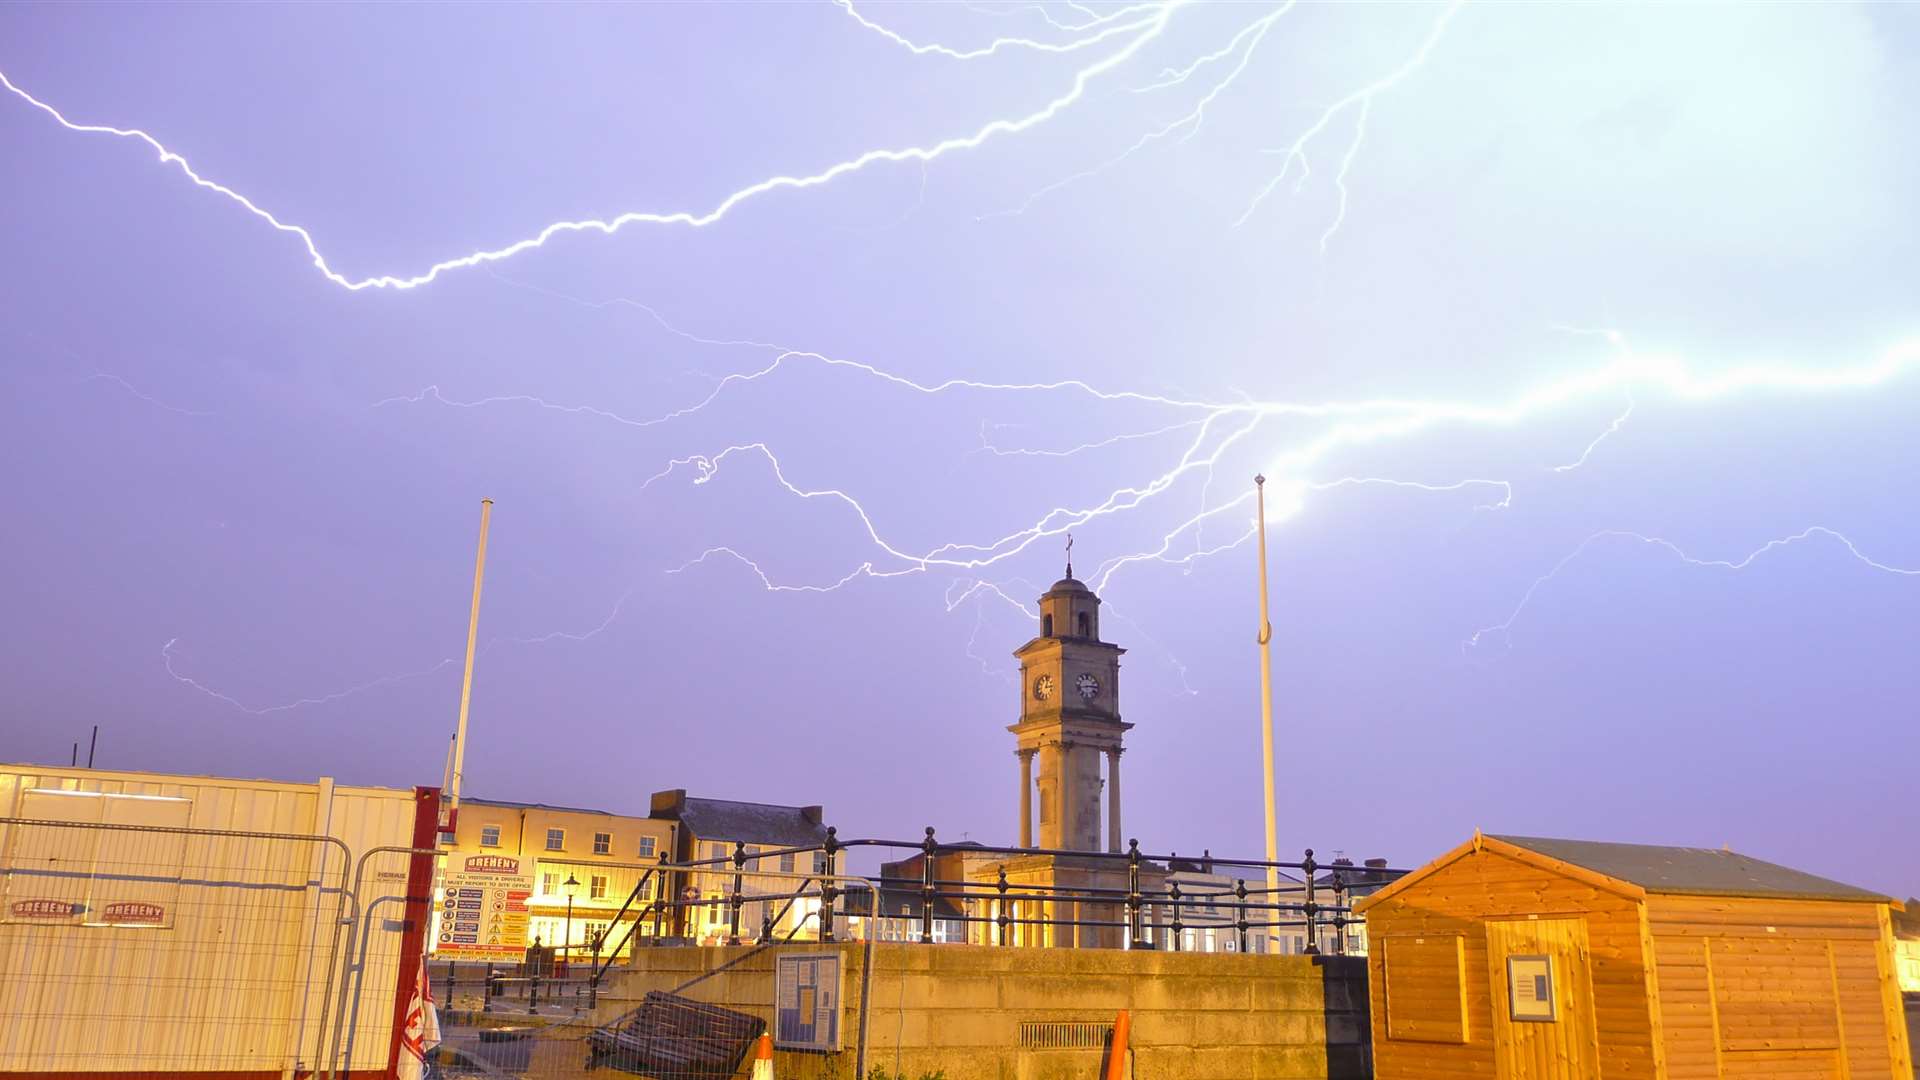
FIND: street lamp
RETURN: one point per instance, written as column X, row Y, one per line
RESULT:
column 566, row 948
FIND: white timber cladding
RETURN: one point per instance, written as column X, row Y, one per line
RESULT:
column 226, row 955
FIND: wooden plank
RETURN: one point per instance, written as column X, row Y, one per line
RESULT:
column 1426, row 988
column 1656, row 1021
column 1713, row 999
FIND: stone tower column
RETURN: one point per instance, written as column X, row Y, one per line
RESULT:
column 1026, row 797
column 1113, row 798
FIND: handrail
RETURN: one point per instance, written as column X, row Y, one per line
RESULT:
column 1198, row 894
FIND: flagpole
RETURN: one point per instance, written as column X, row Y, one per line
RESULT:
column 466, row 679
column 1266, row 699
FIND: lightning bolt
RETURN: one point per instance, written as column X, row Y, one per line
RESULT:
column 1361, row 98
column 1359, row 424
column 1098, row 24
column 1127, row 30
column 166, row 661
column 1148, row 30
column 1213, row 429
column 1505, row 626
column 1225, row 425
column 136, row 392
column 1595, row 444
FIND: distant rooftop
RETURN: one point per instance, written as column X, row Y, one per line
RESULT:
column 752, row 823
column 1692, row 871
column 538, row 806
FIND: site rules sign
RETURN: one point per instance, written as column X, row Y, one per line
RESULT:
column 483, row 910
column 806, row 989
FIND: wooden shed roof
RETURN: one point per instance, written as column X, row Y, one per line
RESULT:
column 1693, row 871
column 1638, row 869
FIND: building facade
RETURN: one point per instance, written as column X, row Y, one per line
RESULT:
column 606, row 856
column 781, row 849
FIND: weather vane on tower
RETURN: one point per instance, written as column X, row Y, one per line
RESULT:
column 1069, row 554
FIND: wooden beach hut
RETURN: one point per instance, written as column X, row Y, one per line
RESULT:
column 1519, row 958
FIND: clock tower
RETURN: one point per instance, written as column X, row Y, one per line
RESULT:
column 1069, row 722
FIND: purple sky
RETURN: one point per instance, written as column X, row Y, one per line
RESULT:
column 213, row 444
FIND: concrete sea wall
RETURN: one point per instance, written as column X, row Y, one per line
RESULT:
column 983, row 1013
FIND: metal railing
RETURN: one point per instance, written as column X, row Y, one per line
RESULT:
column 1153, row 899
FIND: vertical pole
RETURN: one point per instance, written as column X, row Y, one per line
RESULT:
column 1312, row 909
column 486, row 996
column 91, row 743
column 1005, row 917
column 927, row 848
column 1266, row 696
column 419, row 906
column 466, row 678
column 1240, row 911
column 76, row 755
column 739, row 865
column 662, row 883
column 827, row 889
column 1173, row 901
column 1133, row 894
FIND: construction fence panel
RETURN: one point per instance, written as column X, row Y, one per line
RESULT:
column 129, row 942
column 392, row 891
column 674, row 1010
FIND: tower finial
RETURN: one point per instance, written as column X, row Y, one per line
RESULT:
column 1069, row 554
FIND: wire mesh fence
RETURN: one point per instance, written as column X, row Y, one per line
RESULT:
column 115, row 924
column 132, row 943
column 674, row 1011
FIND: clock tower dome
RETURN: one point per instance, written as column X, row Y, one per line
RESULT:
column 1069, row 721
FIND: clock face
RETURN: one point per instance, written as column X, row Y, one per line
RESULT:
column 1043, row 688
column 1088, row 686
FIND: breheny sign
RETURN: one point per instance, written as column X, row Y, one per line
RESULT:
column 134, row 913
column 483, row 910
column 41, row 909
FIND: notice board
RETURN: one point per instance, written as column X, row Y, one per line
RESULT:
column 806, row 990
column 483, row 910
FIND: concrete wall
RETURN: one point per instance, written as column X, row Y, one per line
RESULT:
column 957, row 1009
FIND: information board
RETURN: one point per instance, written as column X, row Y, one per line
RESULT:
column 806, row 989
column 483, row 909
column 1530, row 989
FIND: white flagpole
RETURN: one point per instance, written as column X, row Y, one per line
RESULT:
column 1266, row 699
column 466, row 680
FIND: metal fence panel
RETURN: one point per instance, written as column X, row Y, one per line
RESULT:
column 162, row 949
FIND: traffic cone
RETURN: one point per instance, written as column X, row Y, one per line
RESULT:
column 1117, row 1053
column 763, row 1059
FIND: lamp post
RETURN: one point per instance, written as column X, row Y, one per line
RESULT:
column 566, row 947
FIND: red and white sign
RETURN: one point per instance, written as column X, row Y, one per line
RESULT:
column 482, row 914
column 134, row 913
column 43, row 909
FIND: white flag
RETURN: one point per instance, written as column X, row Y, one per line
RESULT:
column 422, row 1030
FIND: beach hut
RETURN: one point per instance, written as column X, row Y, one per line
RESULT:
column 1520, row 958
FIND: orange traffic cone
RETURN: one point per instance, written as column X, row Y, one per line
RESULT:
column 763, row 1059
column 1117, row 1053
